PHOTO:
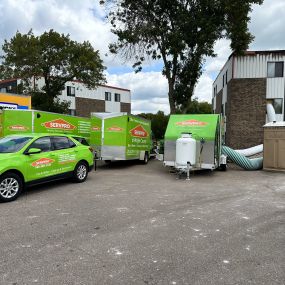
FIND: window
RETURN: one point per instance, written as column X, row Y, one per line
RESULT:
column 9, row 89
column 275, row 69
column 223, row 81
column 72, row 112
column 117, row 97
column 70, row 91
column 278, row 106
column 108, row 96
column 82, row 140
column 62, row 143
column 44, row 144
column 215, row 90
column 13, row 144
column 226, row 77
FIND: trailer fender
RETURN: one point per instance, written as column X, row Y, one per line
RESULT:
column 142, row 154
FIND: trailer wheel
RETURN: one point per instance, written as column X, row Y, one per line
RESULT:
column 11, row 186
column 223, row 167
column 146, row 158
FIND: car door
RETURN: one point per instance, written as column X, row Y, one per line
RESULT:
column 66, row 153
column 43, row 164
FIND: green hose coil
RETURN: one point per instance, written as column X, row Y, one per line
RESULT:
column 242, row 161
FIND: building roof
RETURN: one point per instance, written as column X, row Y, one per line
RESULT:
column 251, row 53
column 103, row 85
column 8, row 80
column 262, row 52
column 78, row 81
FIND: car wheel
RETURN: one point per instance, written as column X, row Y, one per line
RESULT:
column 80, row 172
column 146, row 158
column 11, row 186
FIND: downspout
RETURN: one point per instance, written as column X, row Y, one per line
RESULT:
column 270, row 113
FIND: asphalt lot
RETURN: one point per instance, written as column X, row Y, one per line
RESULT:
column 136, row 224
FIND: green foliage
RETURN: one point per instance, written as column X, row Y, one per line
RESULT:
column 197, row 107
column 159, row 123
column 45, row 103
column 53, row 56
column 181, row 33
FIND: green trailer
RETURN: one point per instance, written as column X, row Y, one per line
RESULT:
column 205, row 130
column 32, row 121
column 120, row 136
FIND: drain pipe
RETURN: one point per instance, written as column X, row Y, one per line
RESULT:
column 270, row 113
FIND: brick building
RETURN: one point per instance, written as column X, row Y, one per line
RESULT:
column 82, row 100
column 240, row 93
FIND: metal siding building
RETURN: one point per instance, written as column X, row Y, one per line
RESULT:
column 256, row 77
column 83, row 101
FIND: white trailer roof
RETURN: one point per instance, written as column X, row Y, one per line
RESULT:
column 108, row 115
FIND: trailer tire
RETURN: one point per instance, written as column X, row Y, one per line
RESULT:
column 223, row 167
column 146, row 158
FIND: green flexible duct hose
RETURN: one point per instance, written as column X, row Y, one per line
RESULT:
column 242, row 161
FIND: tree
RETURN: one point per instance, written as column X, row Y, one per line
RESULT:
column 49, row 104
column 56, row 58
column 197, row 107
column 159, row 123
column 181, row 33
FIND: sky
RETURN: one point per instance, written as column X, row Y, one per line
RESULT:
column 84, row 20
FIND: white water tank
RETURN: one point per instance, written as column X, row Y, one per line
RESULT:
column 185, row 150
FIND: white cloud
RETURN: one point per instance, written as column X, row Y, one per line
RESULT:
column 268, row 24
column 83, row 20
column 149, row 90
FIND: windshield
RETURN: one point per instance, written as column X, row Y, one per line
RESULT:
column 13, row 144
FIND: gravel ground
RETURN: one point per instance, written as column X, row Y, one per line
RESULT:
column 136, row 224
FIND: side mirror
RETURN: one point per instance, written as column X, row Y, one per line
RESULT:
column 33, row 151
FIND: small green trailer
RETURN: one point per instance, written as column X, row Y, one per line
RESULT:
column 32, row 121
column 204, row 135
column 120, row 136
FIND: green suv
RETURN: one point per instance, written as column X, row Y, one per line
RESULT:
column 37, row 158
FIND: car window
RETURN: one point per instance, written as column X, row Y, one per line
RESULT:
column 13, row 144
column 82, row 140
column 62, row 143
column 44, row 144
column 71, row 143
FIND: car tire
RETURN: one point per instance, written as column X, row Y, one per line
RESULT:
column 80, row 172
column 146, row 158
column 11, row 186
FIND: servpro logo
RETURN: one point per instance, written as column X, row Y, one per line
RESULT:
column 18, row 128
column 42, row 162
column 96, row 129
column 115, row 129
column 191, row 123
column 59, row 124
column 139, row 132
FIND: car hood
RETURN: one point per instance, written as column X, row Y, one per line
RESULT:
column 5, row 156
